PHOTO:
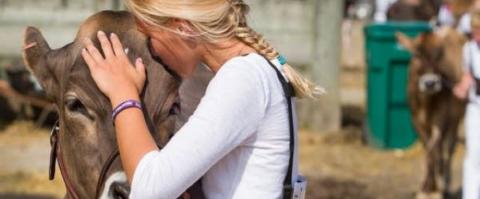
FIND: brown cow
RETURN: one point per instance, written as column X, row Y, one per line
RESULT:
column 86, row 138
column 435, row 67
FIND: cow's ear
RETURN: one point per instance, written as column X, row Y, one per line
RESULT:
column 35, row 48
column 35, row 53
column 405, row 41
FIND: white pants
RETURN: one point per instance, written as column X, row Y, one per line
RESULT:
column 471, row 166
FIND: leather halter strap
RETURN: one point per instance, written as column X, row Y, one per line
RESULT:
column 56, row 156
column 103, row 173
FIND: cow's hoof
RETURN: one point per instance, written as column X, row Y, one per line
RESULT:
column 431, row 195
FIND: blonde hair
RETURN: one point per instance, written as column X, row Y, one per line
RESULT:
column 475, row 19
column 216, row 20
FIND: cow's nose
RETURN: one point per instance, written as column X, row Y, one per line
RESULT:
column 430, row 84
column 120, row 190
column 116, row 186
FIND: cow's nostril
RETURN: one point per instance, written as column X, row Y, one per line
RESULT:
column 119, row 190
column 430, row 84
column 175, row 109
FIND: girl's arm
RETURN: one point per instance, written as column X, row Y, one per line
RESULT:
column 229, row 113
column 119, row 81
column 133, row 137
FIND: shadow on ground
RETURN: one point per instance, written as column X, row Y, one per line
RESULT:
column 331, row 188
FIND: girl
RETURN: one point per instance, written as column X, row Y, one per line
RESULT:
column 238, row 138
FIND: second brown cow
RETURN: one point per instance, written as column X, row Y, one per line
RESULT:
column 436, row 66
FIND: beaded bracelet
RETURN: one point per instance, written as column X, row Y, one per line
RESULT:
column 282, row 59
column 125, row 105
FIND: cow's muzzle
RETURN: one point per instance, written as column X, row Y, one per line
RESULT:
column 430, row 83
column 116, row 187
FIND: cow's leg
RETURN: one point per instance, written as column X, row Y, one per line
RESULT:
column 429, row 184
column 421, row 126
column 440, row 159
column 449, row 143
column 429, row 189
column 420, row 122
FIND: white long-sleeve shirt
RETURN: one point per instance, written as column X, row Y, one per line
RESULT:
column 237, row 139
column 471, row 63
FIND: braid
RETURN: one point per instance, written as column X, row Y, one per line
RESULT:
column 248, row 36
column 241, row 30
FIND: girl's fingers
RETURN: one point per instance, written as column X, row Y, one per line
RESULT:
column 93, row 51
column 140, row 67
column 88, row 59
column 106, row 45
column 117, row 46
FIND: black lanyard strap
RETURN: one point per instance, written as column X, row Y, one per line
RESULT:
column 289, row 93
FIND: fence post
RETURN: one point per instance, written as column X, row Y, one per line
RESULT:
column 324, row 115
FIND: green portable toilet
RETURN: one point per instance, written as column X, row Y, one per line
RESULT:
column 388, row 122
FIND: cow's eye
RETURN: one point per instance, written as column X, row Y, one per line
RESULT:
column 75, row 106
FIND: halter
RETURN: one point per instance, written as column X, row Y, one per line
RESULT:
column 56, row 156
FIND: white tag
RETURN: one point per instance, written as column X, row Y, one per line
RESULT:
column 300, row 188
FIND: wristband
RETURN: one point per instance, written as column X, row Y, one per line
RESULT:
column 125, row 105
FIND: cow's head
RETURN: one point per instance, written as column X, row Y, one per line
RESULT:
column 436, row 63
column 87, row 135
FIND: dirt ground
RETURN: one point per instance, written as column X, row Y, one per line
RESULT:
column 337, row 166
column 341, row 166
column 24, row 153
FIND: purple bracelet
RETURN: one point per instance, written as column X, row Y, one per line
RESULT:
column 125, row 105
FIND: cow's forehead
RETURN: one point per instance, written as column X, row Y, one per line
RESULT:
column 107, row 21
column 67, row 62
column 442, row 32
column 430, row 43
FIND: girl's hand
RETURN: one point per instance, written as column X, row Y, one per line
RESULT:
column 460, row 90
column 114, row 75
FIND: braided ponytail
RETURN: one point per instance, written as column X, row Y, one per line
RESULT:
column 302, row 86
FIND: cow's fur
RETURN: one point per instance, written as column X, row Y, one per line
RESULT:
column 87, row 134
column 435, row 67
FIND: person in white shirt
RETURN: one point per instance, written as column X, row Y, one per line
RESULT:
column 467, row 89
column 381, row 9
column 464, row 25
column 238, row 138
